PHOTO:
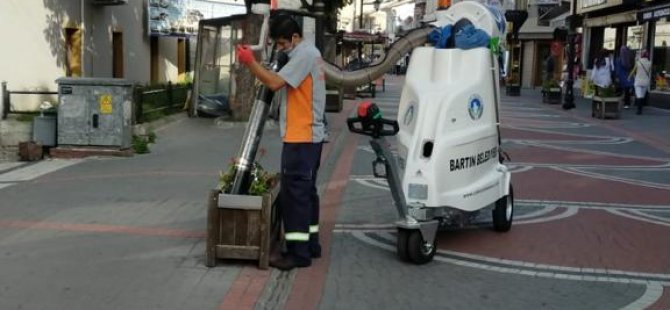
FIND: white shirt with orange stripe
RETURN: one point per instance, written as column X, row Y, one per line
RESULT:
column 303, row 105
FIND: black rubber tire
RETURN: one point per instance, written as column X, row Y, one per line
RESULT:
column 401, row 244
column 418, row 253
column 501, row 221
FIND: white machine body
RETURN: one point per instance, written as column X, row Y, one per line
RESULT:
column 448, row 141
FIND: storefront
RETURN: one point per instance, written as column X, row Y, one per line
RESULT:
column 657, row 20
column 608, row 24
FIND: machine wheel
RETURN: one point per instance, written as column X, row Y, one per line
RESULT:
column 503, row 212
column 401, row 244
column 420, row 252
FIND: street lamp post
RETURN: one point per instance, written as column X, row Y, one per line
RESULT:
column 569, row 98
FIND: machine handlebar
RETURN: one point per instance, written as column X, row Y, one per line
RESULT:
column 371, row 122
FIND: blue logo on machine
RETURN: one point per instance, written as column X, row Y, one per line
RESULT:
column 475, row 107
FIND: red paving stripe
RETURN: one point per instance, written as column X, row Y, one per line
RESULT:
column 246, row 289
column 550, row 184
column 249, row 284
column 101, row 228
column 308, row 284
column 521, row 134
column 662, row 303
column 533, row 154
column 52, row 178
column 590, row 239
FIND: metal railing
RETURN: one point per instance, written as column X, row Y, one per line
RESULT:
column 6, row 99
column 151, row 103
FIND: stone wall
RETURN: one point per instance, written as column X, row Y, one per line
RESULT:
column 12, row 132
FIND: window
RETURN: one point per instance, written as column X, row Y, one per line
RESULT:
column 117, row 54
column 609, row 38
column 661, row 56
column 634, row 37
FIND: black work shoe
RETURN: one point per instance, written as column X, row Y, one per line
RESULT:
column 289, row 262
column 315, row 251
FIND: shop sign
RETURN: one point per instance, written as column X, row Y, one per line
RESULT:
column 654, row 14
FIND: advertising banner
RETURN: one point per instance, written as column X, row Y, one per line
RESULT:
column 179, row 18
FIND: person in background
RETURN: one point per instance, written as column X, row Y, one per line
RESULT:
column 624, row 64
column 642, row 72
column 549, row 67
column 602, row 71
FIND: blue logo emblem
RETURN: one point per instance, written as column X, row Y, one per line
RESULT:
column 475, row 107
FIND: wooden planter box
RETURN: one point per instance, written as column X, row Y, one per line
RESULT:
column 552, row 96
column 603, row 107
column 240, row 227
column 513, row 90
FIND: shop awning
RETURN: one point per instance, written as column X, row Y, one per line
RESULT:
column 546, row 18
column 560, row 21
column 608, row 20
column 531, row 31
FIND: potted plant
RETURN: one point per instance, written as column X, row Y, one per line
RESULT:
column 242, row 226
column 551, row 92
column 513, row 85
column 606, row 102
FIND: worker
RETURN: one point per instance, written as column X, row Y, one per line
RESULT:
column 302, row 123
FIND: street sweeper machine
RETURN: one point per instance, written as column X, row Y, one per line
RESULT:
column 446, row 163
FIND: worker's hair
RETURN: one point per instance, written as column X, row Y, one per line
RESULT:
column 283, row 27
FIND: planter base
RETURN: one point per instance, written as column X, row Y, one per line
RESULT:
column 241, row 227
column 513, row 91
column 604, row 107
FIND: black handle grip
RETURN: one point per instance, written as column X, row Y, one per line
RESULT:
column 389, row 132
column 374, row 129
column 95, row 120
column 351, row 124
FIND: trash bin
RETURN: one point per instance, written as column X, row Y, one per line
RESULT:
column 95, row 112
column 44, row 130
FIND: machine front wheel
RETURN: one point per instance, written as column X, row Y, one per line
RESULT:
column 419, row 251
column 401, row 244
column 503, row 212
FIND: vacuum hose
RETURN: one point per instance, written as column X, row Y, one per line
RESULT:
column 336, row 77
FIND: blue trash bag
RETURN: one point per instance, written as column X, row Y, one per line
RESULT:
column 470, row 37
column 440, row 36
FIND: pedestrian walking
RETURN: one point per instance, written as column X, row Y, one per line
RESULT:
column 601, row 75
column 302, row 123
column 642, row 72
column 624, row 64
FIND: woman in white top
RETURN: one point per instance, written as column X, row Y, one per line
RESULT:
column 602, row 71
column 642, row 71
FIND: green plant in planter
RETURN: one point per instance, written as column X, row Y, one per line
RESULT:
column 609, row 91
column 512, row 79
column 550, row 85
column 261, row 180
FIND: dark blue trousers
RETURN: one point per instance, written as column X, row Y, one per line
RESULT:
column 299, row 198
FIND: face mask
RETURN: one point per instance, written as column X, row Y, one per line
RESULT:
column 290, row 49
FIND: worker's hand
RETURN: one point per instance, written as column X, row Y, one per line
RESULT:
column 244, row 54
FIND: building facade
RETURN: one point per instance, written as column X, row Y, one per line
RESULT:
column 640, row 25
column 93, row 38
